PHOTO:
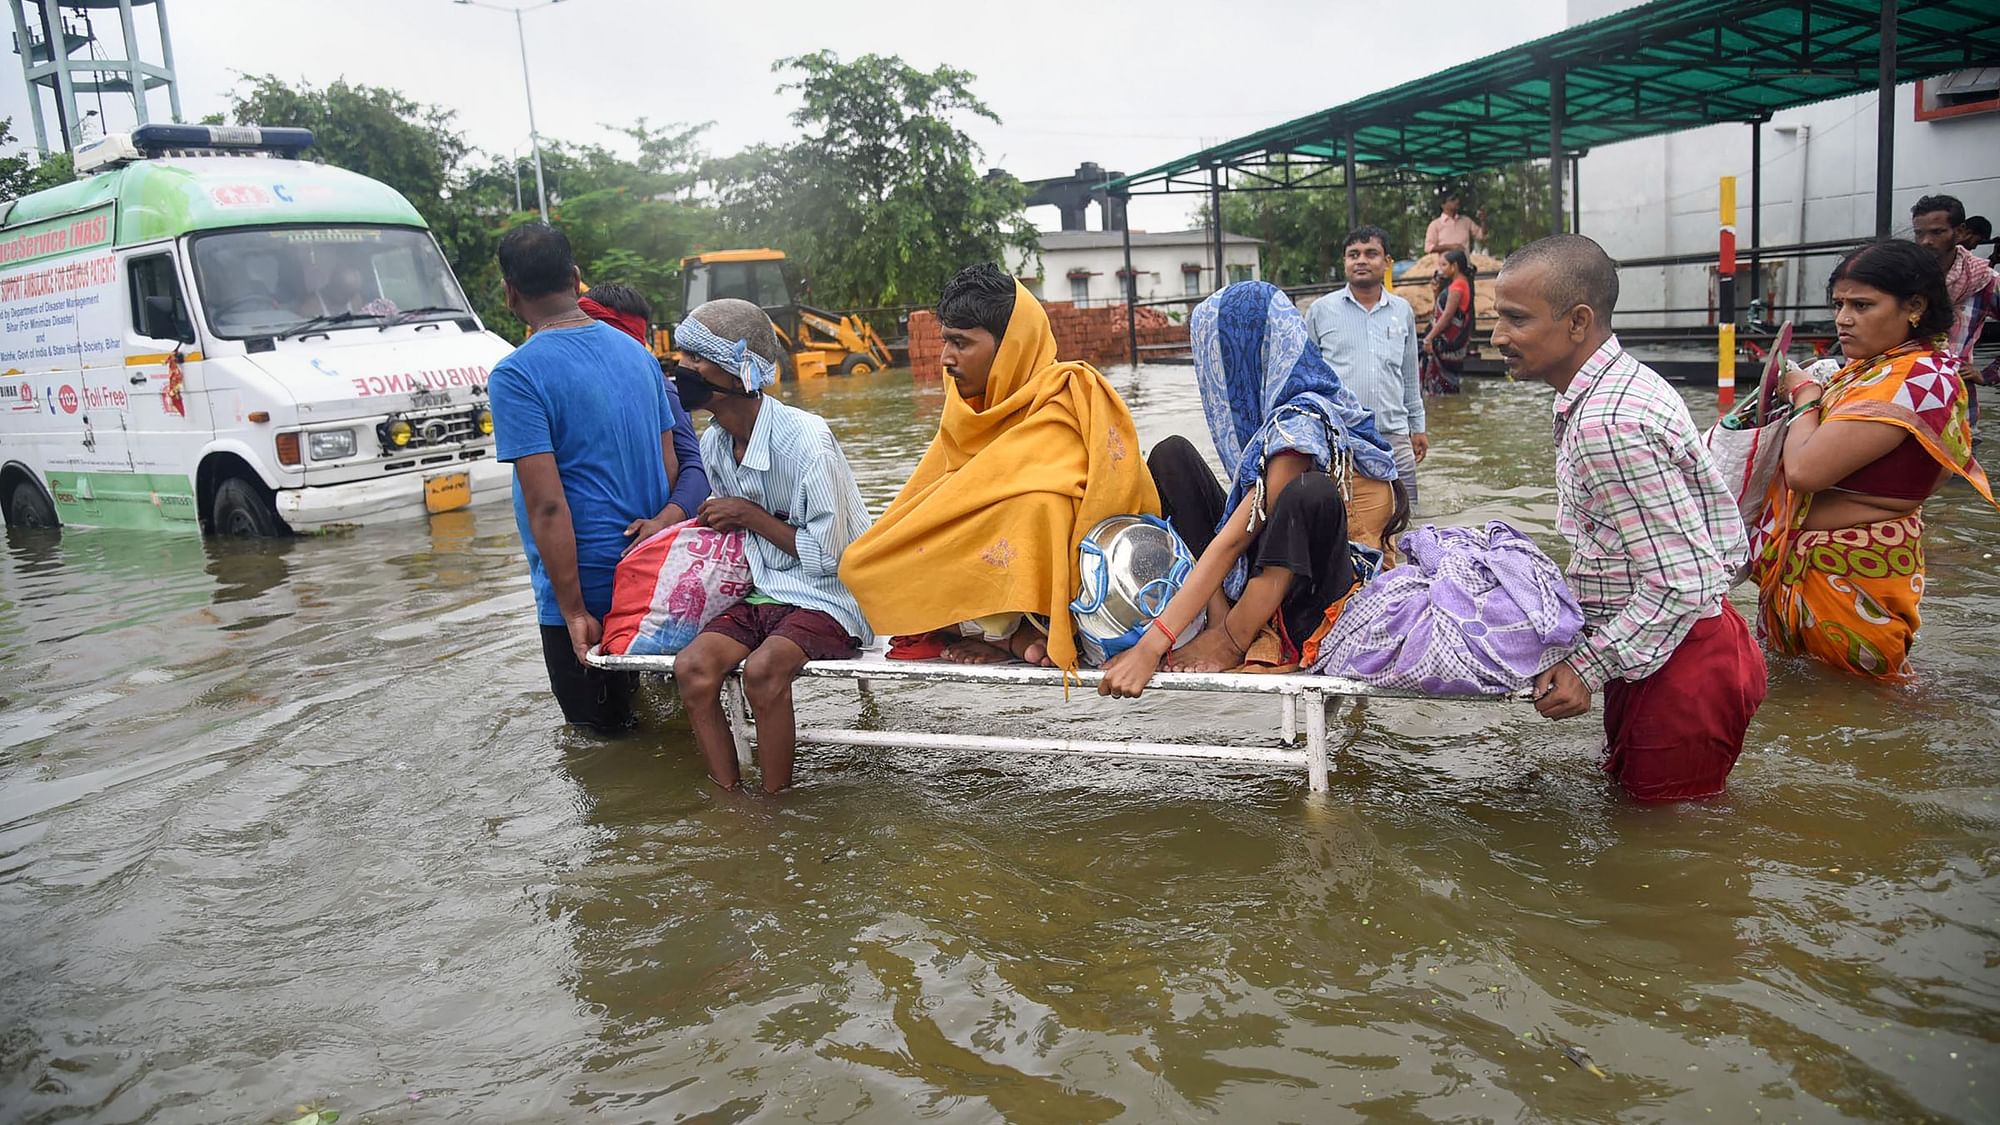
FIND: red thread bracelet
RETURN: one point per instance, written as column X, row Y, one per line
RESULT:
column 1172, row 640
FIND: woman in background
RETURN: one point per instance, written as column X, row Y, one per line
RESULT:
column 1449, row 340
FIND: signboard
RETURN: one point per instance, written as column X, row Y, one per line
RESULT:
column 59, row 302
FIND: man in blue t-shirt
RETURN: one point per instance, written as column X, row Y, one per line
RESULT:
column 581, row 412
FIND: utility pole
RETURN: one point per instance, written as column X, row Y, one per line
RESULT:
column 527, row 87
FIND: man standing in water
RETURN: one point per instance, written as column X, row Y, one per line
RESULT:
column 1937, row 223
column 1654, row 535
column 581, row 412
column 1369, row 337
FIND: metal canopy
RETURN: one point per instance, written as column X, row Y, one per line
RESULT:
column 1656, row 68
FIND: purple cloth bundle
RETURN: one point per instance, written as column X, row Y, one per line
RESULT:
column 1475, row 611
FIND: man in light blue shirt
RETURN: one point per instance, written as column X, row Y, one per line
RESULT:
column 1369, row 337
column 776, row 474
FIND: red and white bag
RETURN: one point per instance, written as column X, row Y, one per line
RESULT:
column 671, row 585
column 1748, row 443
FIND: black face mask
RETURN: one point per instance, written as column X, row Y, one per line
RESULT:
column 696, row 391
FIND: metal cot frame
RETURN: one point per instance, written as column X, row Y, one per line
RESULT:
column 1292, row 690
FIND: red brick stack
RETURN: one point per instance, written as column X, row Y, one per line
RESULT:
column 1095, row 336
column 926, row 349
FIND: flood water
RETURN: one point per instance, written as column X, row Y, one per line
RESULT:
column 295, row 823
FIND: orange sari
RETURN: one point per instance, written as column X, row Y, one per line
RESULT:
column 1849, row 597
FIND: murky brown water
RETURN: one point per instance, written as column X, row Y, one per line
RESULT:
column 295, row 823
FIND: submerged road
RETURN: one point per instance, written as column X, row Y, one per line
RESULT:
column 294, row 823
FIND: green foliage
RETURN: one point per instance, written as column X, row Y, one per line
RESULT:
column 1303, row 230
column 21, row 174
column 413, row 148
column 881, row 199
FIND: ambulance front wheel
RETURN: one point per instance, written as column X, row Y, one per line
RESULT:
column 28, row 506
column 242, row 509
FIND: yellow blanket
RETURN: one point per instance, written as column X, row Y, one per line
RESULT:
column 990, row 521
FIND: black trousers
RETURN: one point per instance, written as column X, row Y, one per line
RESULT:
column 589, row 697
column 1306, row 532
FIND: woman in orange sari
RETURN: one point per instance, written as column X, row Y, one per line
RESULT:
column 1840, row 555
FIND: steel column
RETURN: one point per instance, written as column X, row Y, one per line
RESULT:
column 59, row 59
column 1557, row 111
column 167, row 60
column 1215, row 217
column 1575, row 197
column 1885, row 120
column 132, row 71
column 1353, row 188
column 1756, row 213
column 1131, row 297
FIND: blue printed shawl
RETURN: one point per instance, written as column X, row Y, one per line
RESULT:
column 1266, row 390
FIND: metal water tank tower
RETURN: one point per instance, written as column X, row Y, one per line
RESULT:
column 49, row 34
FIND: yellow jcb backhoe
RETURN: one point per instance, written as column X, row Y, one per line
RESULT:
column 817, row 342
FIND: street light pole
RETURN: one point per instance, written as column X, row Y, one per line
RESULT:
column 541, row 192
column 527, row 87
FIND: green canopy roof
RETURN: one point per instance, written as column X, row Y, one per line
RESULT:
column 1655, row 68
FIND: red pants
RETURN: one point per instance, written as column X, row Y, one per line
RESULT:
column 1675, row 735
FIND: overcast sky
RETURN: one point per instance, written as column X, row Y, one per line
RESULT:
column 1127, row 84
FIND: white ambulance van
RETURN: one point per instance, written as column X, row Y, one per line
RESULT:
column 206, row 332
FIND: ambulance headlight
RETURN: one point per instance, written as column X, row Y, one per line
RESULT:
column 331, row 445
column 395, row 433
column 482, row 422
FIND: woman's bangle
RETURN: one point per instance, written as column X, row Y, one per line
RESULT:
column 1799, row 409
column 1173, row 641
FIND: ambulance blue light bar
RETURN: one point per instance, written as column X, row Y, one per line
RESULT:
column 275, row 139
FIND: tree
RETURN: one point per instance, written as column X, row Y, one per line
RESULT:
column 1303, row 229
column 880, row 201
column 413, row 148
column 21, row 174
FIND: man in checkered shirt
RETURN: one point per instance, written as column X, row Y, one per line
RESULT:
column 1653, row 532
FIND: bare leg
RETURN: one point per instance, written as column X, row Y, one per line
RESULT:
column 767, row 680
column 1220, row 646
column 699, row 671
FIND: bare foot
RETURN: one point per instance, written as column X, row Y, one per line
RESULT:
column 972, row 650
column 1212, row 651
column 1030, row 645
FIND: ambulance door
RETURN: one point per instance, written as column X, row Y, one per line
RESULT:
column 168, row 419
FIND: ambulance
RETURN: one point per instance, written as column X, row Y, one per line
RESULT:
column 205, row 332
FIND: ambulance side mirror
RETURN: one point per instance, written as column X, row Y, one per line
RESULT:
column 164, row 320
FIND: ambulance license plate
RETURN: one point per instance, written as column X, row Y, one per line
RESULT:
column 447, row 492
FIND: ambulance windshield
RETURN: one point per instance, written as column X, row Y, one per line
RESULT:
column 264, row 282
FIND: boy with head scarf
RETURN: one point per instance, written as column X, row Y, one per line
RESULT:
column 779, row 477
column 1030, row 454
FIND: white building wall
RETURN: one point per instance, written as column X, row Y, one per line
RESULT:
column 1659, row 195
column 1159, row 270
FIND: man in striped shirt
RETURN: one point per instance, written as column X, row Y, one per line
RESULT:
column 1653, row 531
column 778, row 475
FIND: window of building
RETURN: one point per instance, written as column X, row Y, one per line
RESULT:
column 1238, row 273
column 1191, row 283
column 1079, row 290
column 1959, row 93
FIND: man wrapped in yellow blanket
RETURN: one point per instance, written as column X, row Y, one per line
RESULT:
column 1030, row 454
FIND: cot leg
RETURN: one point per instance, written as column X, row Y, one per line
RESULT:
column 739, row 718
column 1316, row 764
column 1288, row 720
